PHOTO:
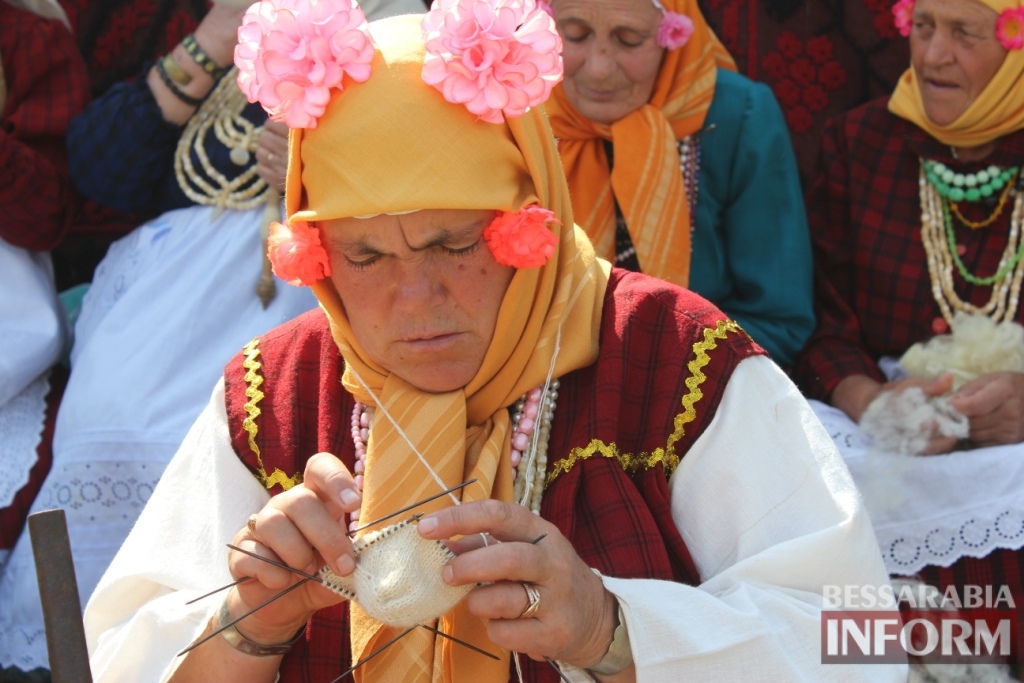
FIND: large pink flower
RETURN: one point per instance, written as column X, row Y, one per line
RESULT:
column 522, row 239
column 290, row 54
column 674, row 30
column 296, row 255
column 497, row 57
column 903, row 16
column 1010, row 28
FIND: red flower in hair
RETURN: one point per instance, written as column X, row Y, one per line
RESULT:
column 296, row 254
column 903, row 16
column 1010, row 28
column 522, row 239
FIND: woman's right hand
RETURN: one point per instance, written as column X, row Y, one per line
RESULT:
column 304, row 527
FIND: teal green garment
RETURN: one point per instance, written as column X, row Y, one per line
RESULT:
column 751, row 248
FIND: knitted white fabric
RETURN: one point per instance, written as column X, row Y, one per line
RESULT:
column 397, row 579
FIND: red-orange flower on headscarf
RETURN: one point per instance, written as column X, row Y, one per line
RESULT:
column 522, row 239
column 295, row 253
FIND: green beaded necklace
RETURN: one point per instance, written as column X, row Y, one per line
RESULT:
column 962, row 269
column 973, row 187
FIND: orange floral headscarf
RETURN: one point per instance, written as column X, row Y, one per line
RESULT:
column 646, row 181
column 393, row 144
column 999, row 109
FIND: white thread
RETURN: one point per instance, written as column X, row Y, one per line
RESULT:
column 401, row 432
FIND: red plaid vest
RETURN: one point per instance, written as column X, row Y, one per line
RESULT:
column 621, row 426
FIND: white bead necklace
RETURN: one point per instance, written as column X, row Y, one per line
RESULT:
column 531, row 429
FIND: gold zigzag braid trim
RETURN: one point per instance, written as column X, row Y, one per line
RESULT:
column 665, row 456
column 253, row 381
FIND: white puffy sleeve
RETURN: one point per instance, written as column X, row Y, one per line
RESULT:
column 204, row 497
column 770, row 516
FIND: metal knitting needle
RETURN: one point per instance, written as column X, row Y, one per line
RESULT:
column 375, row 653
column 460, row 642
column 538, row 539
column 557, row 670
column 231, row 623
column 282, row 565
column 218, row 590
column 410, row 507
column 246, row 578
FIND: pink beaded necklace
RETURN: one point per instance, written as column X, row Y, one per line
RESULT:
column 531, row 427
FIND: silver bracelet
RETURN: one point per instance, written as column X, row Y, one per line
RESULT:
column 619, row 655
column 244, row 645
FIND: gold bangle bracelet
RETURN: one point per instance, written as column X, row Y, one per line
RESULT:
column 174, row 70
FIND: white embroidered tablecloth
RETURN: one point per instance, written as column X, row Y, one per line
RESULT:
column 934, row 510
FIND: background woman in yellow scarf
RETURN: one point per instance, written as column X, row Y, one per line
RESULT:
column 681, row 168
column 916, row 215
column 468, row 333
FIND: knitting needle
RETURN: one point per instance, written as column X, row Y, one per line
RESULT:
column 460, row 642
column 282, row 565
column 218, row 590
column 246, row 578
column 375, row 653
column 231, row 623
column 410, row 507
column 557, row 670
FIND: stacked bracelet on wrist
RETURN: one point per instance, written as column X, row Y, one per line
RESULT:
column 204, row 60
column 244, row 645
column 161, row 71
column 174, row 70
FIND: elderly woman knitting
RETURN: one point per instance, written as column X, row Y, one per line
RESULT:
column 916, row 214
column 681, row 168
column 488, row 441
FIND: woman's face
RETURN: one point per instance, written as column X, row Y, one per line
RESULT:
column 955, row 53
column 421, row 291
column 611, row 55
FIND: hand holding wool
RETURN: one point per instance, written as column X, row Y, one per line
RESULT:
column 994, row 406
column 576, row 617
column 304, row 527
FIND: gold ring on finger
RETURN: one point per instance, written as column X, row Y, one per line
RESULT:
column 251, row 524
column 533, row 595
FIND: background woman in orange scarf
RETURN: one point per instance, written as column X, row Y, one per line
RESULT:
column 681, row 168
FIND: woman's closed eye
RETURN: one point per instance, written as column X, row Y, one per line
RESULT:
column 461, row 251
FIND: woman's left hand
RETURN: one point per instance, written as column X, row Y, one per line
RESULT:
column 272, row 154
column 994, row 405
column 576, row 618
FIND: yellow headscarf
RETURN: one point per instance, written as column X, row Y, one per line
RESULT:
column 646, row 179
column 999, row 109
column 394, row 144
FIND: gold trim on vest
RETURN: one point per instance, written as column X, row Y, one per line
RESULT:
column 253, row 381
column 666, row 456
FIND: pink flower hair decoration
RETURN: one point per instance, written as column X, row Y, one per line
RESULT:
column 1010, row 28
column 675, row 29
column 291, row 53
column 499, row 58
column 522, row 239
column 903, row 16
column 295, row 253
